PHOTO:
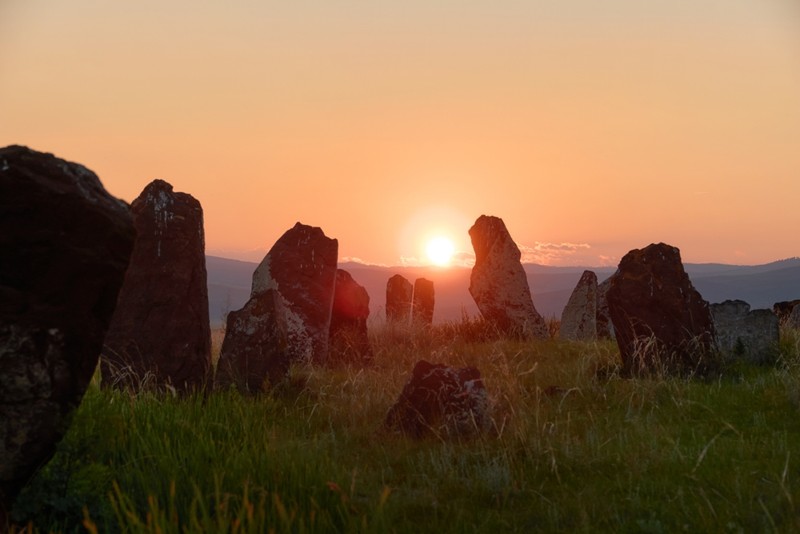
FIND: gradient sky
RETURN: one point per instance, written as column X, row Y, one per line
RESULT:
column 590, row 127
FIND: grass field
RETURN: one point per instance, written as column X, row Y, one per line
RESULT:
column 574, row 447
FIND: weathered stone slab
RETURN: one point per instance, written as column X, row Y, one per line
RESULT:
column 605, row 328
column 441, row 401
column 784, row 311
column 579, row 318
column 498, row 282
column 423, row 302
column 160, row 335
column 744, row 334
column 661, row 322
column 288, row 316
column 399, row 294
column 64, row 247
column 349, row 336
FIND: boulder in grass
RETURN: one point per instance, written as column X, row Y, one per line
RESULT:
column 399, row 293
column 422, row 302
column 64, row 247
column 745, row 334
column 661, row 322
column 349, row 336
column 579, row 318
column 498, row 282
column 160, row 331
column 441, row 401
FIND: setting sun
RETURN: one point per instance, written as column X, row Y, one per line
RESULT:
column 440, row 250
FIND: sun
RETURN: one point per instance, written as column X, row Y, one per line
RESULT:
column 440, row 251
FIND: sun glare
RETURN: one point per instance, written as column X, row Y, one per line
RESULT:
column 440, row 251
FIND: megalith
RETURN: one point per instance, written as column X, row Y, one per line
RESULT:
column 399, row 292
column 605, row 328
column 498, row 282
column 293, row 289
column 64, row 247
column 745, row 334
column 784, row 310
column 661, row 322
column 349, row 339
column 422, row 302
column 442, row 401
column 579, row 318
column 160, row 335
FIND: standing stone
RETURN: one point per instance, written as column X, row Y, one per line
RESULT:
column 793, row 321
column 660, row 321
column 498, row 282
column 744, row 334
column 784, row 310
column 64, row 247
column 605, row 328
column 160, row 334
column 579, row 318
column 442, row 401
column 422, row 302
column 349, row 338
column 399, row 293
column 293, row 291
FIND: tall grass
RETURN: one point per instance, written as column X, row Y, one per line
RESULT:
column 573, row 447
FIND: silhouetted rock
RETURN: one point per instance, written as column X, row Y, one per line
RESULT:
column 783, row 310
column 752, row 336
column 422, row 302
column 660, row 321
column 64, row 247
column 498, row 282
column 159, row 334
column 256, row 350
column 301, row 266
column 442, row 401
column 605, row 328
column 349, row 339
column 399, row 293
column 579, row 318
column 793, row 320
column 293, row 288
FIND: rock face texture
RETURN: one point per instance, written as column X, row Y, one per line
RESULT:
column 422, row 302
column 579, row 318
column 605, row 328
column 498, row 282
column 288, row 316
column 399, row 293
column 744, row 334
column 64, row 247
column 794, row 318
column 661, row 322
column 441, row 401
column 784, row 310
column 160, row 334
column 349, row 341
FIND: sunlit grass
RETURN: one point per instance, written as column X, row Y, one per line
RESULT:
column 573, row 447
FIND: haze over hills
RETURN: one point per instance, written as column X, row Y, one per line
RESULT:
column 761, row 286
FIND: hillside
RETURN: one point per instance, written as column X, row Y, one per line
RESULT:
column 759, row 285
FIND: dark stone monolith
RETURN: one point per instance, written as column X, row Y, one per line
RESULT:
column 605, row 328
column 661, row 322
column 349, row 338
column 498, row 282
column 441, row 401
column 159, row 335
column 64, row 247
column 399, row 292
column 422, row 302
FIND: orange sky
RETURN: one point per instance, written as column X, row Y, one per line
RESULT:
column 590, row 127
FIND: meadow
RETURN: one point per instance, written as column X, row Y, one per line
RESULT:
column 574, row 447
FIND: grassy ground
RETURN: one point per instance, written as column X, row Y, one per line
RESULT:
column 574, row 448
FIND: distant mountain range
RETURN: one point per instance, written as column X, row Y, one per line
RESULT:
column 759, row 285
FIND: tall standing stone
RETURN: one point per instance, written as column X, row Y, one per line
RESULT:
column 290, row 301
column 64, row 247
column 160, row 332
column 349, row 336
column 422, row 302
column 399, row 292
column 498, row 282
column 579, row 318
column 660, row 321
column 784, row 310
column 605, row 328
column 742, row 333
